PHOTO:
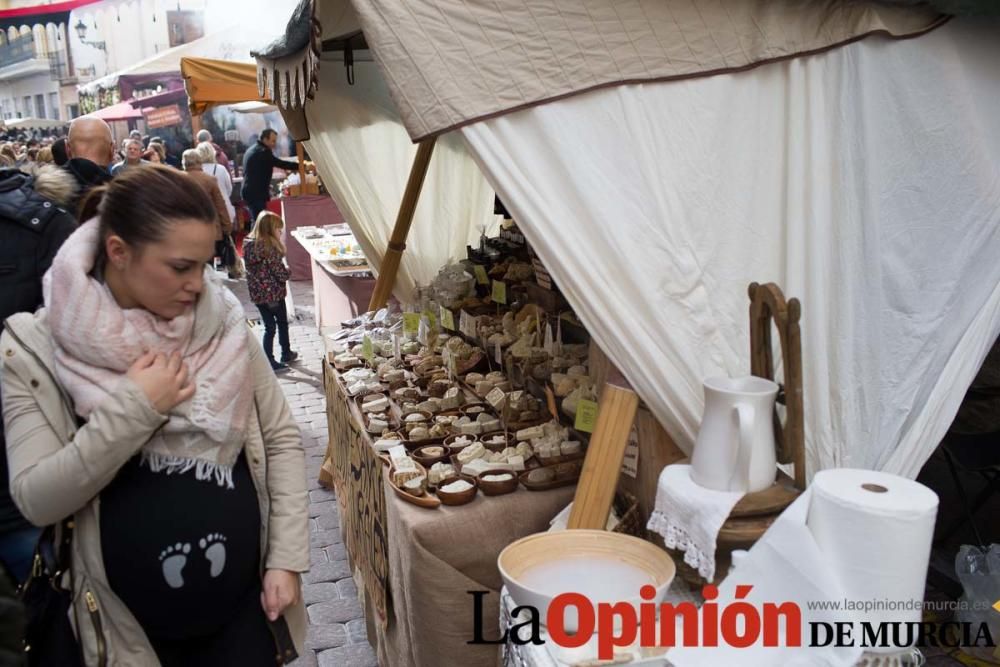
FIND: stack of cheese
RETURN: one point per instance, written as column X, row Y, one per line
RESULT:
column 550, row 440
column 406, row 474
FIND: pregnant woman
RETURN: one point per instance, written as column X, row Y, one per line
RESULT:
column 137, row 404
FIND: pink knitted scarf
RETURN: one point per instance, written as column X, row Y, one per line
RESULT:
column 97, row 342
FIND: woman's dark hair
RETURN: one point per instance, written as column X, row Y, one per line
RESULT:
column 266, row 133
column 140, row 204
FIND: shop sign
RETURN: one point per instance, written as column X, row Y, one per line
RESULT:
column 164, row 116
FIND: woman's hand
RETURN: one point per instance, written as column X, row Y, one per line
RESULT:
column 164, row 380
column 281, row 590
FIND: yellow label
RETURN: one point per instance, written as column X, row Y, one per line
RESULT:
column 366, row 348
column 481, row 276
column 432, row 319
column 447, row 319
column 586, row 416
column 411, row 323
column 499, row 291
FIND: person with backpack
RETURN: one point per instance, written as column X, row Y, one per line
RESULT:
column 34, row 223
column 263, row 253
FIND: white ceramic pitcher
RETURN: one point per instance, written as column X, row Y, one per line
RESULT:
column 735, row 450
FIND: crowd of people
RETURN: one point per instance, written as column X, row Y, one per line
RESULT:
column 180, row 482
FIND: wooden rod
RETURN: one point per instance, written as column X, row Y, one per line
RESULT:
column 301, row 154
column 394, row 253
column 595, row 493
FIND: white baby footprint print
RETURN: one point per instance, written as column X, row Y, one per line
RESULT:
column 173, row 559
column 215, row 552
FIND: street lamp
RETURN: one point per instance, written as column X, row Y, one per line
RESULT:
column 81, row 32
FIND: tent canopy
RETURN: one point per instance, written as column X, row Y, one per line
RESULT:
column 33, row 123
column 843, row 176
column 232, row 44
column 448, row 64
column 120, row 111
column 211, row 83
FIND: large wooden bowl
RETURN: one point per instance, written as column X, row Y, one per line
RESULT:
column 601, row 565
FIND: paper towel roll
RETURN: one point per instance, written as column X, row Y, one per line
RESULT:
column 875, row 531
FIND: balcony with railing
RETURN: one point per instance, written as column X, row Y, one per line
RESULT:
column 20, row 58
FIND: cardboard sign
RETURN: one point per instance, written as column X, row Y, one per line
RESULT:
column 499, row 291
column 447, row 319
column 411, row 323
column 586, row 416
column 496, row 398
column 367, row 349
column 481, row 276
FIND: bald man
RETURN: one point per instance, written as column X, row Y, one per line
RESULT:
column 90, row 149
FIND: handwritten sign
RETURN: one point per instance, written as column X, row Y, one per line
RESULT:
column 447, row 319
column 499, row 291
column 367, row 350
column 586, row 416
column 411, row 323
column 481, row 276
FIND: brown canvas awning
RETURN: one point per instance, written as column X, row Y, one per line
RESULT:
column 210, row 83
column 452, row 62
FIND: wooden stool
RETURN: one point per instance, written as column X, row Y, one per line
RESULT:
column 755, row 512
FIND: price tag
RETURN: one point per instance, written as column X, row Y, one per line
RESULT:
column 396, row 352
column 630, row 462
column 411, row 323
column 423, row 331
column 559, row 341
column 481, row 276
column 447, row 319
column 367, row 350
column 498, row 353
column 549, row 344
column 499, row 291
column 586, row 416
column 467, row 324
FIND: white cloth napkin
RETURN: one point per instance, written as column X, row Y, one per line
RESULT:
column 689, row 517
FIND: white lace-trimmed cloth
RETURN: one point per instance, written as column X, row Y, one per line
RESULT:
column 96, row 342
column 689, row 517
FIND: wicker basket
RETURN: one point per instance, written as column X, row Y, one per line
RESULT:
column 630, row 521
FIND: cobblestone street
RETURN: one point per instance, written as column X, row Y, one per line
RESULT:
column 337, row 634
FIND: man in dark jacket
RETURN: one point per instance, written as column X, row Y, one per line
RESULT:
column 33, row 225
column 258, row 165
column 90, row 149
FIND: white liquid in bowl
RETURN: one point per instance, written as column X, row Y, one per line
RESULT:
column 599, row 579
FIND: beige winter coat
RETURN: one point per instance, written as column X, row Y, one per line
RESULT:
column 57, row 470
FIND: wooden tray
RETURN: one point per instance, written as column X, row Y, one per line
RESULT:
column 426, row 501
column 545, row 486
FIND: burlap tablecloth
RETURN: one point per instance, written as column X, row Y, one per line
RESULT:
column 436, row 557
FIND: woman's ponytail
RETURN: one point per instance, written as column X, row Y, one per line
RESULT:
column 91, row 204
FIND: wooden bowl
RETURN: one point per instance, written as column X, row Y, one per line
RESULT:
column 450, row 442
column 498, row 488
column 601, row 565
column 508, row 439
column 426, row 460
column 425, row 419
column 460, row 498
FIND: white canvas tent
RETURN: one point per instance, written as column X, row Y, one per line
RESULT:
column 838, row 176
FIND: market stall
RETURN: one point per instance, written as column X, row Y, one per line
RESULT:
column 342, row 280
column 661, row 251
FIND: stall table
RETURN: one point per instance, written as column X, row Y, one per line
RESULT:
column 306, row 211
column 415, row 566
column 338, row 294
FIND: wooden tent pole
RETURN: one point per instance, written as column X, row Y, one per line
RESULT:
column 301, row 154
column 397, row 243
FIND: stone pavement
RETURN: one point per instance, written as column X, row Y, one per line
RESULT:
column 337, row 636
